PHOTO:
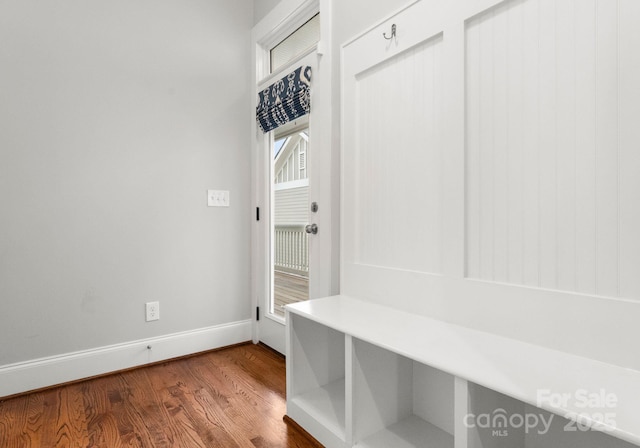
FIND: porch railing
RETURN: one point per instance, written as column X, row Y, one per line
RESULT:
column 291, row 250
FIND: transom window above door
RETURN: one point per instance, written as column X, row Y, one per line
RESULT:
column 295, row 44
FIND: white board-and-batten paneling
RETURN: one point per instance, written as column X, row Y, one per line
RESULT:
column 491, row 169
column 552, row 180
column 399, row 223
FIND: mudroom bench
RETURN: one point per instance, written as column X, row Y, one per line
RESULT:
column 365, row 375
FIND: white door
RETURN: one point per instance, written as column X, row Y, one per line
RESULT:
column 292, row 255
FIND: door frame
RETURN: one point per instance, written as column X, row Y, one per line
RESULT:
column 285, row 18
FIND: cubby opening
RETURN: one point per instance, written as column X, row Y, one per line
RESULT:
column 570, row 433
column 498, row 421
column 400, row 402
column 318, row 386
column 487, row 419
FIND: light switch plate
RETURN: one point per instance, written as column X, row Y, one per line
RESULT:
column 218, row 198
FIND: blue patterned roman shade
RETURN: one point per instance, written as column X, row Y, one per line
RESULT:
column 284, row 100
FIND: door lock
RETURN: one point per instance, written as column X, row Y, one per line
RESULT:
column 311, row 228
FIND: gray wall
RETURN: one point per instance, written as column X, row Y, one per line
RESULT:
column 261, row 8
column 115, row 118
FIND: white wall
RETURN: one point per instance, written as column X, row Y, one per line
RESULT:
column 115, row 118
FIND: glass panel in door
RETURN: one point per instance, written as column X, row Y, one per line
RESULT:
column 290, row 214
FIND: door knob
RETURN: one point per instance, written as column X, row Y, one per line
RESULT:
column 311, row 228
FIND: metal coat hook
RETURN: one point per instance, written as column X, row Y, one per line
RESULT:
column 393, row 33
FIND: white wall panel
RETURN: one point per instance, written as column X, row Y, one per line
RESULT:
column 607, row 144
column 530, row 141
column 567, row 151
column 514, row 132
column 540, row 184
column 546, row 137
column 400, row 138
column 629, row 149
column 585, row 118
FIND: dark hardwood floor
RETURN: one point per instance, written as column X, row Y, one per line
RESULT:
column 234, row 397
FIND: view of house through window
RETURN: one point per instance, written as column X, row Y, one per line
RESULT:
column 290, row 216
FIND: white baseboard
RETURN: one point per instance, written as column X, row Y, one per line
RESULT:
column 45, row 372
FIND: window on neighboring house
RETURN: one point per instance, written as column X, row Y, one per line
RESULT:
column 295, row 44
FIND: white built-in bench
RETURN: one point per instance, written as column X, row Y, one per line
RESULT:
column 360, row 374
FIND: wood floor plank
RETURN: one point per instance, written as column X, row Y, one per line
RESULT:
column 141, row 415
column 233, row 397
column 233, row 408
column 220, row 422
column 247, row 395
column 35, row 416
column 63, row 418
column 168, row 386
column 16, row 423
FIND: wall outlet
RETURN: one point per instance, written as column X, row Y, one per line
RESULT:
column 218, row 198
column 153, row 311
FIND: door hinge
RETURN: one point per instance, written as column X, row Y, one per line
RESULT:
column 257, row 213
column 257, row 313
